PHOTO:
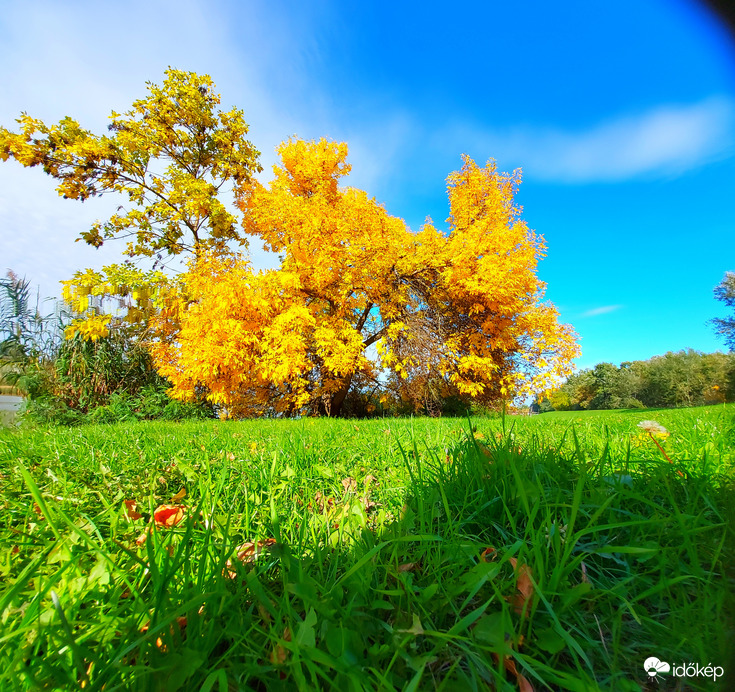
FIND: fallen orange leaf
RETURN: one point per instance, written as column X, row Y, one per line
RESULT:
column 524, row 585
column 247, row 553
column 131, row 509
column 168, row 516
column 140, row 540
column 523, row 684
column 489, row 554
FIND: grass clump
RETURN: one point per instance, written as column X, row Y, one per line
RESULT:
column 427, row 554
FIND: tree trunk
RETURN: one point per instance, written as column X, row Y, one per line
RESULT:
column 335, row 405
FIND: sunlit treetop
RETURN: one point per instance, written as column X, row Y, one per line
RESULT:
column 171, row 156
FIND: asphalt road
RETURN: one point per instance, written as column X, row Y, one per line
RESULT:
column 8, row 406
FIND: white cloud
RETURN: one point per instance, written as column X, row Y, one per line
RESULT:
column 603, row 310
column 664, row 141
column 84, row 60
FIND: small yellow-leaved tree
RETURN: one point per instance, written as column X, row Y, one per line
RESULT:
column 172, row 158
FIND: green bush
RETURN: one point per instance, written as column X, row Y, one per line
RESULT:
column 105, row 381
column 151, row 403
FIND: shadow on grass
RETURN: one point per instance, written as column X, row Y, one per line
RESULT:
column 626, row 560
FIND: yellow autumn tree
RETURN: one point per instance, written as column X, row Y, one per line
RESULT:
column 465, row 307
column 173, row 158
column 458, row 311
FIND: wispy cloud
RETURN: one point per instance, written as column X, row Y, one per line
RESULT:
column 251, row 68
column 664, row 141
column 602, row 310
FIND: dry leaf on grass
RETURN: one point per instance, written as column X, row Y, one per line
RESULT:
column 524, row 585
column 510, row 665
column 489, row 554
column 131, row 509
column 168, row 516
column 279, row 654
column 179, row 496
column 523, row 684
column 367, row 503
column 181, row 624
column 322, row 503
column 140, row 540
column 349, row 484
column 247, row 553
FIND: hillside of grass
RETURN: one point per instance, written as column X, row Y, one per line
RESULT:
column 556, row 551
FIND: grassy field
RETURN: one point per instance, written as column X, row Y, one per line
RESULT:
column 549, row 552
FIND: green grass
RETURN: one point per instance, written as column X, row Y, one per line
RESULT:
column 602, row 554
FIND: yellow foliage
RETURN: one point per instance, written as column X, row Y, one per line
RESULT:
column 457, row 312
column 174, row 206
column 92, row 327
column 466, row 306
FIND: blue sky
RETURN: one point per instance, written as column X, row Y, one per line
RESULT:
column 621, row 116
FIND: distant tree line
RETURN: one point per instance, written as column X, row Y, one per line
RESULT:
column 681, row 378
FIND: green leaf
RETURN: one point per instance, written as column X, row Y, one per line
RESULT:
column 492, row 629
column 549, row 640
column 305, row 635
